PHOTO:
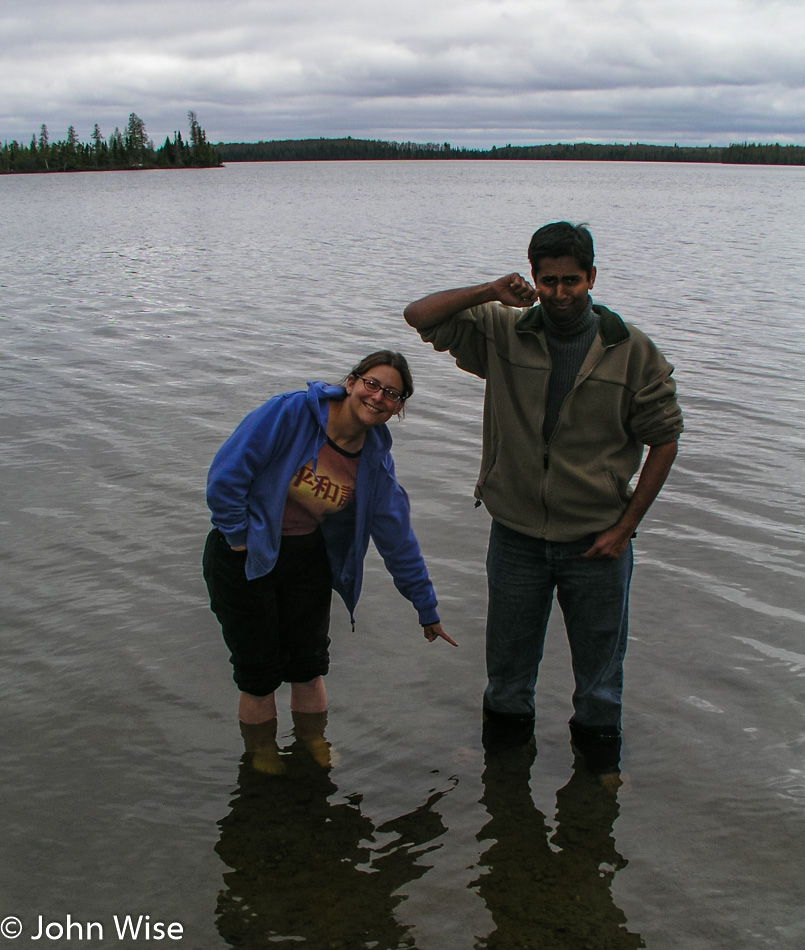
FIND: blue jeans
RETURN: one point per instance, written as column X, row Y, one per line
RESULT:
column 523, row 573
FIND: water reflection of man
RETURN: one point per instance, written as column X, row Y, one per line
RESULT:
column 573, row 396
column 298, row 860
column 543, row 888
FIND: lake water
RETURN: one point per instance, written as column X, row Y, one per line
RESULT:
column 143, row 314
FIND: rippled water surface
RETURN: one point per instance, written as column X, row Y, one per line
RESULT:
column 142, row 316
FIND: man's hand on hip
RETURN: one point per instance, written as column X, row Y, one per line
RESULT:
column 608, row 545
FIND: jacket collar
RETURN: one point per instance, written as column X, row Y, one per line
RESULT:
column 612, row 328
column 378, row 438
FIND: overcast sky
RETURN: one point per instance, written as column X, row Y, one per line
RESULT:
column 468, row 72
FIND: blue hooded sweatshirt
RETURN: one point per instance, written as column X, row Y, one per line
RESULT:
column 248, row 483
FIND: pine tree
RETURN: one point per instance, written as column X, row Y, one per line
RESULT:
column 100, row 151
column 136, row 139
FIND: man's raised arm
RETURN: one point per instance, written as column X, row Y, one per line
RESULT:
column 511, row 290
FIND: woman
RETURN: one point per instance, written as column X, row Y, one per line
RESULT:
column 295, row 493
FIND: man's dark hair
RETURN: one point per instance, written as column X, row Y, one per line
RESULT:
column 562, row 239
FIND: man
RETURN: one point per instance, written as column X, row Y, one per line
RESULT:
column 573, row 395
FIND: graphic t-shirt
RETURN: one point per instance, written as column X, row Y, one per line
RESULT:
column 314, row 495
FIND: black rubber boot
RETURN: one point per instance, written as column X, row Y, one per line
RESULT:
column 601, row 751
column 501, row 731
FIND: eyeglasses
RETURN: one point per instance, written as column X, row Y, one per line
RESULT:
column 390, row 395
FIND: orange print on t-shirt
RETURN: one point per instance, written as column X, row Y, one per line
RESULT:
column 312, row 495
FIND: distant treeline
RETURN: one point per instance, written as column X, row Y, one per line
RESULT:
column 122, row 150
column 349, row 149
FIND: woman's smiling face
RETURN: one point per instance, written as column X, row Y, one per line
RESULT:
column 373, row 408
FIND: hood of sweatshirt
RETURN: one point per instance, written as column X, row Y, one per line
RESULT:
column 319, row 396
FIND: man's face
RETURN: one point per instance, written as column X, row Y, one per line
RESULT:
column 562, row 286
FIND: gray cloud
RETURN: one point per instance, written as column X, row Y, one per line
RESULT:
column 475, row 73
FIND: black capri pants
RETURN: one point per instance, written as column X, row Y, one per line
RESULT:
column 276, row 626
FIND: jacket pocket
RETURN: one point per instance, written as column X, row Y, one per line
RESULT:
column 617, row 497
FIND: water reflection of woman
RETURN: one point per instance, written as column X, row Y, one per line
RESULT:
column 306, row 867
column 296, row 492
